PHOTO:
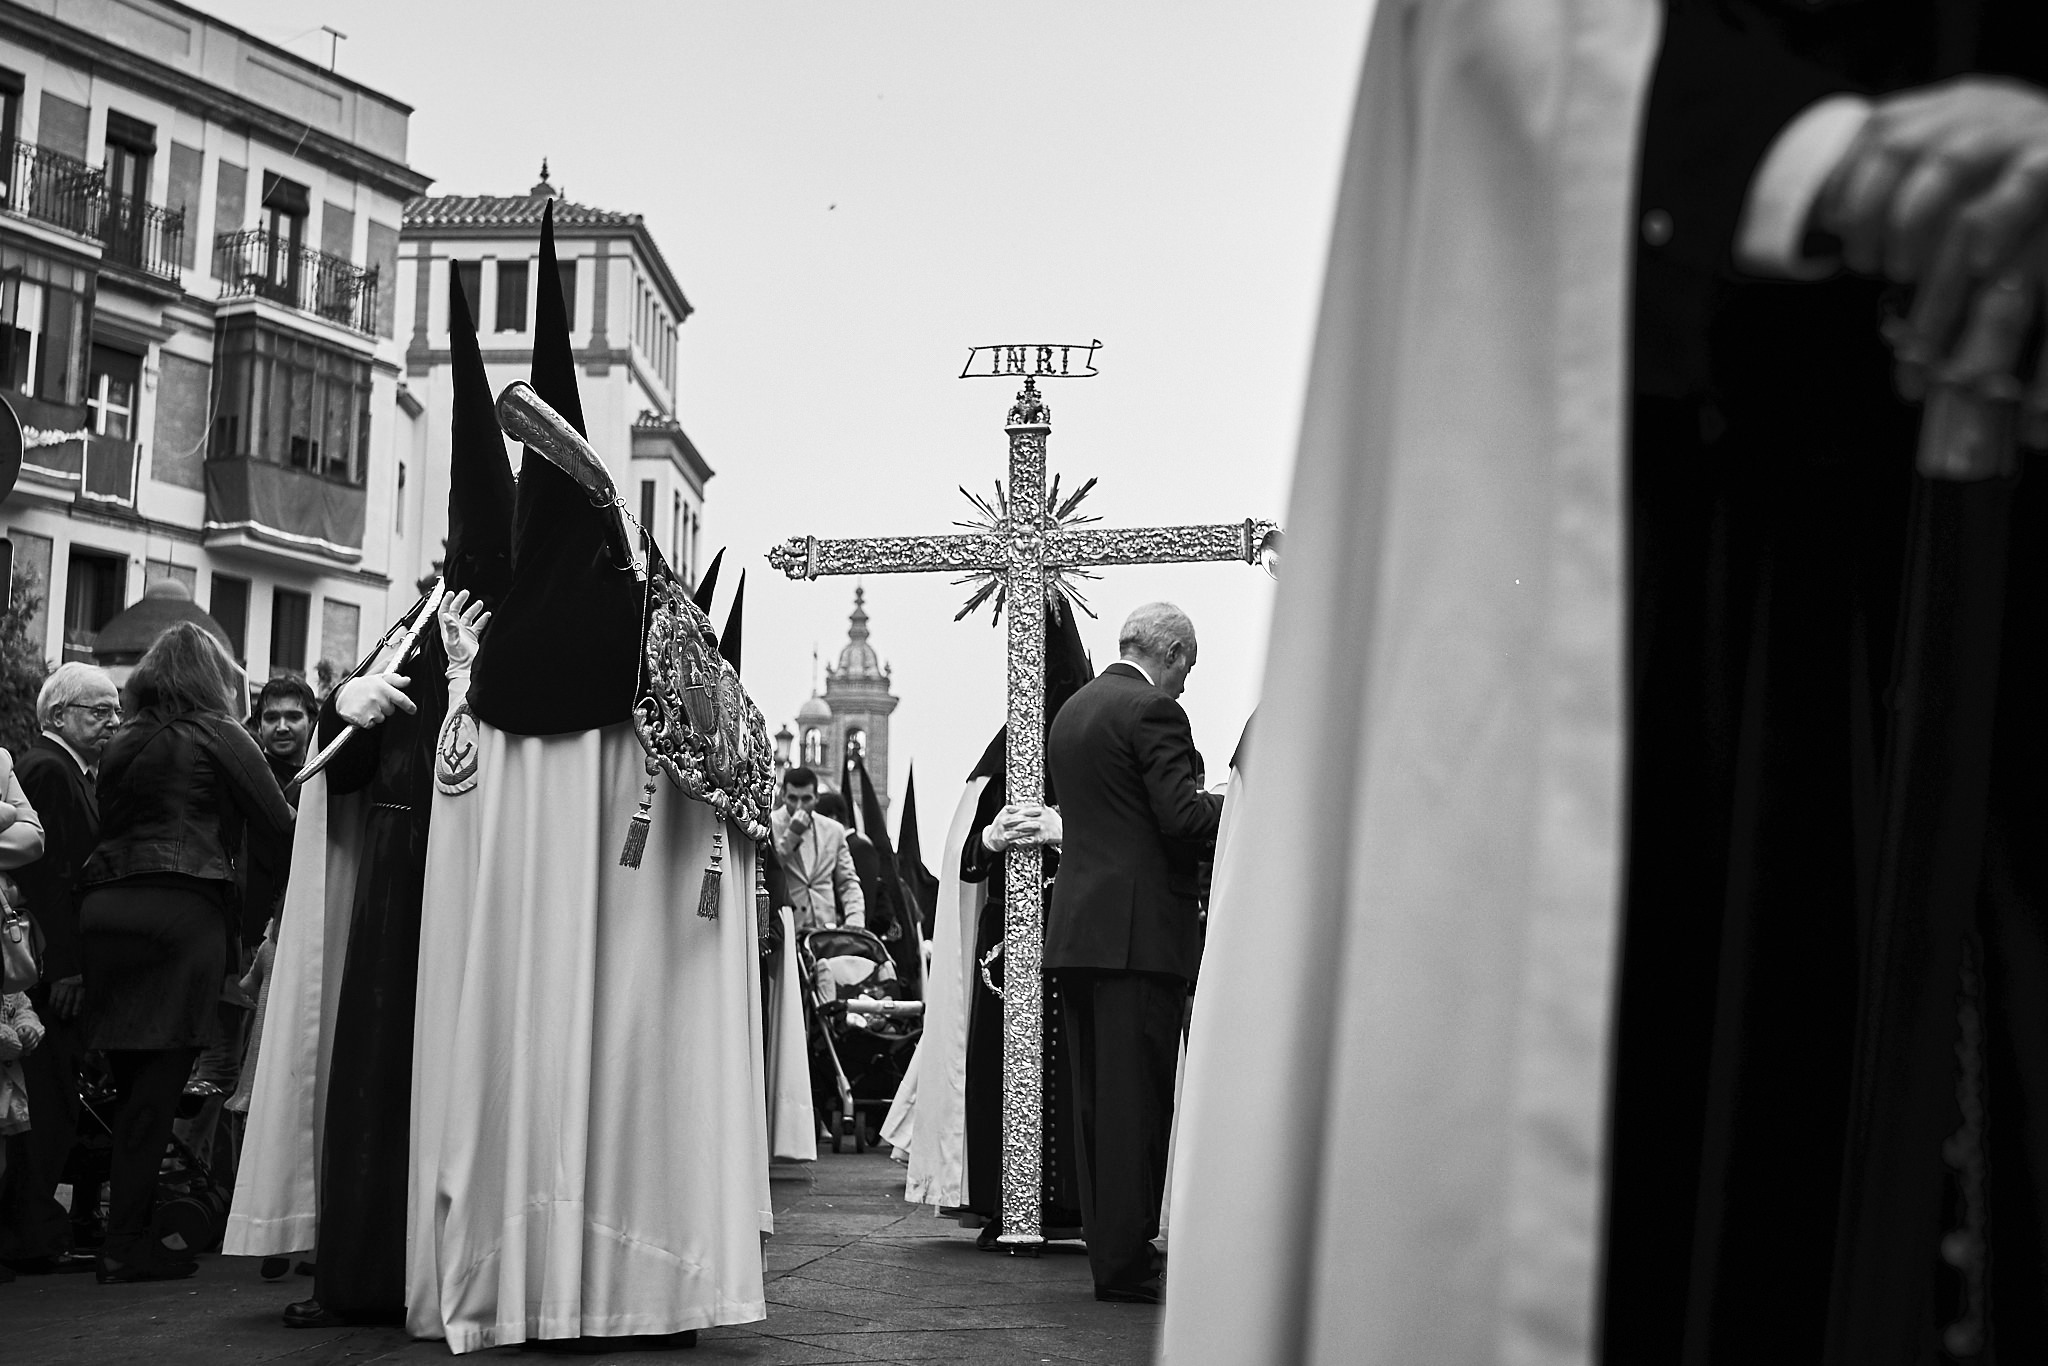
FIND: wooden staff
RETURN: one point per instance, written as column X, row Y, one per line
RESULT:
column 387, row 654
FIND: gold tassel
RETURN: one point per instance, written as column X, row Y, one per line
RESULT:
column 707, row 899
column 636, row 829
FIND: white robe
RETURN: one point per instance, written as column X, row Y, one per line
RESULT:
column 276, row 1204
column 590, row 1152
column 792, row 1121
column 936, row 1080
column 1393, row 1136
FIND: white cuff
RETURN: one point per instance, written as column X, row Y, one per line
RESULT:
column 1771, row 235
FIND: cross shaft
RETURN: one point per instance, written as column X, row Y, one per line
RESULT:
column 1023, row 550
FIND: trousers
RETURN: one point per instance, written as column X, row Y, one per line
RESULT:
column 1123, row 1040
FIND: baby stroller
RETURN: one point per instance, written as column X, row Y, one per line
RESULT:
column 864, row 1025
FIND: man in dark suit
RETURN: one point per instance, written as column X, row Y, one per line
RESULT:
column 79, row 709
column 1122, row 933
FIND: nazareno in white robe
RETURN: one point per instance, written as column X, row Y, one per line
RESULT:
column 589, row 1136
column 929, row 1116
column 276, row 1203
column 792, row 1119
column 1394, row 1124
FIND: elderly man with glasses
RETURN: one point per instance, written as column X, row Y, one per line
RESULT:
column 79, row 710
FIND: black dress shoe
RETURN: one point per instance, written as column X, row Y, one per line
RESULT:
column 62, row 1264
column 307, row 1313
column 1147, row 1292
column 140, row 1260
column 275, row 1268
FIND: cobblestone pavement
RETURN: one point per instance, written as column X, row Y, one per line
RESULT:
column 854, row 1275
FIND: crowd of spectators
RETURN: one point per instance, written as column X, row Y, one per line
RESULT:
column 145, row 840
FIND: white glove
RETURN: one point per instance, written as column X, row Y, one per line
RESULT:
column 462, row 621
column 373, row 699
column 1025, row 823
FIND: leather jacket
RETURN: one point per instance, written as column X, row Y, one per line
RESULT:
column 175, row 794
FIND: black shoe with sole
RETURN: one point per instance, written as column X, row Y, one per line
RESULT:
column 307, row 1313
column 1150, row 1292
column 62, row 1264
column 140, row 1260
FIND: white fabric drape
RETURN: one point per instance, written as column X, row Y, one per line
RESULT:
column 938, row 1127
column 900, row 1123
column 590, row 1149
column 276, row 1205
column 792, row 1122
column 1393, row 1137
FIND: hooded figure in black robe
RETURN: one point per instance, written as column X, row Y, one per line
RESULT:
column 1802, row 1168
column 360, row 1275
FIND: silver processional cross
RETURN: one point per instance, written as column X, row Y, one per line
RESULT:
column 1024, row 545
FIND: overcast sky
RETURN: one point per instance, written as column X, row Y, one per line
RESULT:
column 852, row 194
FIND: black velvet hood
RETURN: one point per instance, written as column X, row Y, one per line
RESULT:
column 1067, row 670
column 563, row 652
column 481, row 494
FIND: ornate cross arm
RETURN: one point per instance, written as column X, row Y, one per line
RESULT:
column 1246, row 541
column 806, row 557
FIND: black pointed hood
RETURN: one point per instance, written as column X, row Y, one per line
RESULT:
column 481, row 493
column 921, row 883
column 1067, row 670
column 708, row 584
column 563, row 652
column 871, row 822
column 1067, row 666
column 909, row 844
column 729, row 639
column 846, row 791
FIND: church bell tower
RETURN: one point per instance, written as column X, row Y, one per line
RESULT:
column 857, row 693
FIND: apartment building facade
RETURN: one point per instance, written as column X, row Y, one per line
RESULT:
column 200, row 330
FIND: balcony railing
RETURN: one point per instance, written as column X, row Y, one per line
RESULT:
column 143, row 236
column 254, row 264
column 56, row 189
column 70, row 194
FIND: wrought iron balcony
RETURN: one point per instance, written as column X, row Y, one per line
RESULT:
column 254, row 264
column 67, row 193
column 142, row 236
column 56, row 189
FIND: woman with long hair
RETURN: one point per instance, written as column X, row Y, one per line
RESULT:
column 179, row 783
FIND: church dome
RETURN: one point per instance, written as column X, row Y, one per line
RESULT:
column 858, row 660
column 814, row 712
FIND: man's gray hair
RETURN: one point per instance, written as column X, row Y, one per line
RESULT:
column 70, row 681
column 1154, row 629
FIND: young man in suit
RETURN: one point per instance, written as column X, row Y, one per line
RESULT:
column 79, row 709
column 812, row 851
column 1123, row 934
